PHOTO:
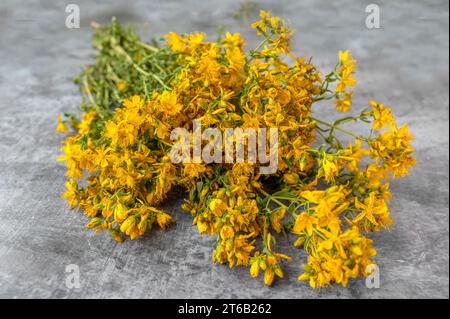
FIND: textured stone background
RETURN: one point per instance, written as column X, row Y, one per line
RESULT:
column 404, row 64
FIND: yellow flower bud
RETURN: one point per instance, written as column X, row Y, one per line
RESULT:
column 299, row 242
column 269, row 275
column 290, row 178
column 254, row 269
column 116, row 236
column 94, row 223
column 279, row 272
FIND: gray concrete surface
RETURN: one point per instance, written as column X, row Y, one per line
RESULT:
column 404, row 64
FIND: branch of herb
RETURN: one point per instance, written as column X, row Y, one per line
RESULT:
column 335, row 127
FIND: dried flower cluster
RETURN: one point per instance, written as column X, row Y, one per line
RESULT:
column 329, row 195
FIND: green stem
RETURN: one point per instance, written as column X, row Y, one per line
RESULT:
column 319, row 234
column 271, row 198
column 261, row 44
column 266, row 229
column 120, row 50
column 89, row 94
column 148, row 47
column 340, row 129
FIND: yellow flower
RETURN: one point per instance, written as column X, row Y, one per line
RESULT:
column 73, row 157
column 329, row 167
column 226, row 232
column 135, row 102
column 195, row 39
column 393, row 149
column 163, row 220
column 61, row 127
column 120, row 152
column 175, row 42
column 314, row 273
column 122, row 85
column 313, row 196
column 71, row 193
column 120, row 212
column 290, row 178
column 343, row 104
column 345, row 58
column 276, row 217
column 277, row 32
column 128, row 226
column 352, row 155
column 345, row 71
column 382, row 116
column 234, row 40
column 168, row 103
column 162, row 131
column 304, row 221
column 375, row 175
column 194, row 170
column 217, row 207
column 374, row 213
column 203, row 228
column 85, row 124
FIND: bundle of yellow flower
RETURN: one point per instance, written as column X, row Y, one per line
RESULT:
column 330, row 196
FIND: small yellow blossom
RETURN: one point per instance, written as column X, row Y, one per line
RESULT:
column 304, row 222
column 86, row 120
column 61, row 127
column 343, row 104
column 163, row 220
column 382, row 116
column 345, row 71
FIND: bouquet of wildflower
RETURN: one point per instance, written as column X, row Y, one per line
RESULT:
column 155, row 117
